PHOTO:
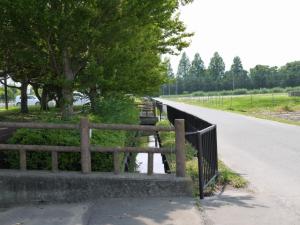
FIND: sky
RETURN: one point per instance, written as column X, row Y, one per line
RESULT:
column 263, row 32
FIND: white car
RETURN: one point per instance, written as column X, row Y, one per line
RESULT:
column 80, row 99
column 31, row 100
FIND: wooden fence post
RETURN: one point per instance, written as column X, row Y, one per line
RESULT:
column 54, row 157
column 150, row 163
column 180, row 152
column 154, row 108
column 85, row 146
column 23, row 161
column 116, row 163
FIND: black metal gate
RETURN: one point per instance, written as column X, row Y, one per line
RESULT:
column 202, row 135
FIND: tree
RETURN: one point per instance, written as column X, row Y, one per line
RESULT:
column 182, row 73
column 167, row 88
column 216, row 70
column 236, row 77
column 290, row 74
column 101, row 47
column 183, row 66
column 262, row 76
column 196, row 74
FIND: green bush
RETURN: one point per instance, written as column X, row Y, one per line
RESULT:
column 110, row 111
column 264, row 91
column 253, row 92
column 198, row 93
column 277, row 90
column 240, row 91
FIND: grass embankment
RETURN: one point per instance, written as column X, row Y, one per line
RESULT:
column 112, row 111
column 278, row 107
column 241, row 91
column 226, row 175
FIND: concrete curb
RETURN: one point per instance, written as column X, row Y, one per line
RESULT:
column 17, row 187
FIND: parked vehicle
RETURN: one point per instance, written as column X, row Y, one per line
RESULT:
column 31, row 100
column 80, row 99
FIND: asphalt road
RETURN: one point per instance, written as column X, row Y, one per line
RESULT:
column 266, row 153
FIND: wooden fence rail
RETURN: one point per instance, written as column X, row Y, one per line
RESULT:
column 86, row 148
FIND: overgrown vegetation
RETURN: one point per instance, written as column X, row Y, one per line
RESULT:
column 241, row 91
column 226, row 176
column 122, row 111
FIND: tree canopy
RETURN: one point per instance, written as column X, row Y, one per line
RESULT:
column 215, row 78
column 100, row 47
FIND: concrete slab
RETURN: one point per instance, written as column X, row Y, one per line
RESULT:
column 19, row 187
column 63, row 214
column 244, row 207
column 115, row 211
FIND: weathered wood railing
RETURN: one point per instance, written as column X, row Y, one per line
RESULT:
column 86, row 148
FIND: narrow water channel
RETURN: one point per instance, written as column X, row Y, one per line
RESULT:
column 142, row 160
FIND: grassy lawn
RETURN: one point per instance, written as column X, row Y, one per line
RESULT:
column 278, row 107
column 226, row 175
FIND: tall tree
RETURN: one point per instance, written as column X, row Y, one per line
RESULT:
column 196, row 74
column 290, row 74
column 116, row 43
column 216, row 70
column 170, row 75
column 261, row 76
column 182, row 73
column 236, row 77
column 183, row 66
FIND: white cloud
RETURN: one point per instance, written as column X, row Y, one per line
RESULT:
column 259, row 31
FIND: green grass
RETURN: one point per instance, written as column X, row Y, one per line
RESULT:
column 265, row 106
column 226, row 175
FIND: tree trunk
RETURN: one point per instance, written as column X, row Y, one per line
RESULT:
column 35, row 88
column 5, row 92
column 44, row 99
column 93, row 98
column 24, row 105
column 58, row 99
column 67, row 89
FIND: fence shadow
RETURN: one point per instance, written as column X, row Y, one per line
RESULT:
column 133, row 211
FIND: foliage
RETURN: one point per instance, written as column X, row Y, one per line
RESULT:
column 121, row 111
column 215, row 78
column 227, row 176
column 98, row 47
column 11, row 94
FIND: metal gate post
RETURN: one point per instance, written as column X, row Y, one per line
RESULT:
column 200, row 166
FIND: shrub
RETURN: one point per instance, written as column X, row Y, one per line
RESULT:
column 109, row 111
column 277, row 90
column 240, row 92
column 264, row 91
column 253, row 92
column 198, row 93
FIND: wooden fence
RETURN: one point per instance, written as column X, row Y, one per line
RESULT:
column 86, row 148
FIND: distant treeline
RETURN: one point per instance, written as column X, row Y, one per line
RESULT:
column 194, row 76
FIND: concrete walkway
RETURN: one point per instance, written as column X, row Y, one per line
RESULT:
column 267, row 153
column 116, row 211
